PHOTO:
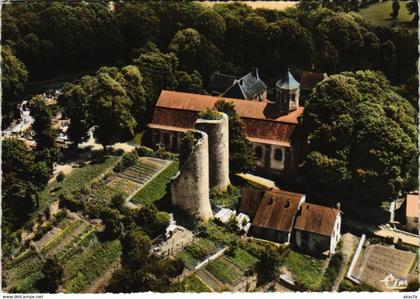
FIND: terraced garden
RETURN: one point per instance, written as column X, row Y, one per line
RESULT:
column 83, row 257
column 195, row 284
column 197, row 252
column 127, row 182
column 243, row 260
column 224, row 270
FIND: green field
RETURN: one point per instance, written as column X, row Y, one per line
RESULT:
column 379, row 14
column 308, row 271
column 243, row 260
column 156, row 189
column 195, row 285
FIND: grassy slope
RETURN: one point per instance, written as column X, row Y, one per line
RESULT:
column 156, row 189
column 379, row 13
column 308, row 271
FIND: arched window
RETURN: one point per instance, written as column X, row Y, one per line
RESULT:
column 278, row 154
column 259, row 152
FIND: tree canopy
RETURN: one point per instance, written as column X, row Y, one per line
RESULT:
column 362, row 138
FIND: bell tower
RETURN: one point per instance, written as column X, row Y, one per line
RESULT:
column 287, row 93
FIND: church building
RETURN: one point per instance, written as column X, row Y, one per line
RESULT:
column 273, row 127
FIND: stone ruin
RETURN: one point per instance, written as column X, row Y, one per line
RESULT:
column 207, row 166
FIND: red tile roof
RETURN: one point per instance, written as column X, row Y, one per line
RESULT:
column 179, row 109
column 412, row 207
column 277, row 210
column 250, row 200
column 316, row 219
column 308, row 80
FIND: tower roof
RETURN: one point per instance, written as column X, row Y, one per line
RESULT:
column 288, row 82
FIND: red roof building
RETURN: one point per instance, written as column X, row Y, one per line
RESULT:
column 276, row 137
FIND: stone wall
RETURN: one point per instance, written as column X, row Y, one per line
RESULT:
column 190, row 186
column 218, row 135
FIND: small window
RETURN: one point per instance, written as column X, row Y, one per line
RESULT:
column 278, row 154
column 259, row 152
column 166, row 139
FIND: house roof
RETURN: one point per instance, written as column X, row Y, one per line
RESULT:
column 277, row 210
column 179, row 109
column 412, row 207
column 221, row 82
column 288, row 82
column 248, row 87
column 250, row 200
column 308, row 79
column 316, row 219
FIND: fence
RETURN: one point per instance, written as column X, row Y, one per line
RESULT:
column 355, row 258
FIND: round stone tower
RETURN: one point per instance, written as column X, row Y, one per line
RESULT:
column 190, row 186
column 218, row 134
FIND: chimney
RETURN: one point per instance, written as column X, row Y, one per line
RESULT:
column 338, row 205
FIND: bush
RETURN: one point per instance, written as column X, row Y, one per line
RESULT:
column 127, row 161
column 210, row 114
column 60, row 177
column 228, row 198
column 161, row 153
column 406, row 247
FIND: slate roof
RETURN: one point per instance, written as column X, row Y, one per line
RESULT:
column 412, row 207
column 278, row 210
column 316, row 219
column 221, row 82
column 178, row 109
column 308, row 79
column 248, row 87
column 288, row 82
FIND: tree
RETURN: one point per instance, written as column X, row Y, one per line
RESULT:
column 53, row 276
column 212, row 25
column 353, row 120
column 152, row 221
column 111, row 107
column 14, row 77
column 186, row 44
column 158, row 71
column 44, row 134
column 395, row 9
column 241, row 154
column 413, row 8
column 189, row 82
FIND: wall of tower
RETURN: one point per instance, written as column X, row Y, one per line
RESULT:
column 218, row 135
column 190, row 186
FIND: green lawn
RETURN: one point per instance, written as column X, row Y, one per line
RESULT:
column 156, row 189
column 379, row 13
column 308, row 271
column 195, row 285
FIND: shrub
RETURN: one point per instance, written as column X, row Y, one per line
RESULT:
column 210, row 114
column 229, row 197
column 160, row 153
column 60, row 177
column 127, row 161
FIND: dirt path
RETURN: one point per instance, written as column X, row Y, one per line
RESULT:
column 348, row 247
column 100, row 283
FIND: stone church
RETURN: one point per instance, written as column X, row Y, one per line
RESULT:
column 273, row 127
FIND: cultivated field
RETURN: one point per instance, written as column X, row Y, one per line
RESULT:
column 378, row 261
column 378, row 13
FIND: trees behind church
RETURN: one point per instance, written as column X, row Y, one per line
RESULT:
column 363, row 138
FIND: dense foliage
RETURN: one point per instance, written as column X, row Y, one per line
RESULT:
column 363, row 138
column 241, row 153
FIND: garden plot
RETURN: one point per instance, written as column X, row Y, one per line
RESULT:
column 243, row 260
column 225, row 271
column 195, row 284
column 128, row 182
column 197, row 252
column 378, row 261
column 75, row 246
